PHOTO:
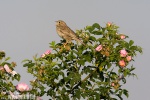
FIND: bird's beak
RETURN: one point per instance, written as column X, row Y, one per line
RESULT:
column 56, row 22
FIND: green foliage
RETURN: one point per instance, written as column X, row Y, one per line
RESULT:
column 76, row 71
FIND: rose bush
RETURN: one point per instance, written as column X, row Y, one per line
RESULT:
column 7, row 76
column 97, row 70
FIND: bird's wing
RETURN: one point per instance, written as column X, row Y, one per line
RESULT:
column 70, row 33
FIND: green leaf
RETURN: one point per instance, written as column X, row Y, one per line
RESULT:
column 78, row 93
column 81, row 62
column 120, row 93
column 96, row 25
column 124, row 80
column 125, row 73
column 109, row 65
column 132, row 68
column 92, row 38
column 28, row 65
column 89, row 28
column 125, row 92
column 17, row 77
column 126, row 45
column 8, row 58
column 84, row 95
column 97, row 32
column 72, row 82
column 88, row 56
column 131, row 42
column 63, row 90
column 25, row 60
column 103, row 64
column 133, row 47
column 53, row 44
column 97, row 96
column 139, row 49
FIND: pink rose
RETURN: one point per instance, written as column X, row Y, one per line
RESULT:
column 13, row 73
column 113, row 84
column 122, row 63
column 109, row 23
column 6, row 67
column 99, row 48
column 46, row 53
column 43, row 55
column 123, row 53
column 122, row 36
column 22, row 87
column 1, row 68
column 129, row 58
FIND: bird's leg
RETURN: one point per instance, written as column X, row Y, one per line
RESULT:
column 65, row 44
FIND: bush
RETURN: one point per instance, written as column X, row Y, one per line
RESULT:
column 97, row 70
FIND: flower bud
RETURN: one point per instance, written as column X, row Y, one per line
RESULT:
column 99, row 48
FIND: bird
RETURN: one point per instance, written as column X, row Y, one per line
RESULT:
column 66, row 33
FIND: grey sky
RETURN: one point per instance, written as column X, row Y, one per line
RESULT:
column 27, row 27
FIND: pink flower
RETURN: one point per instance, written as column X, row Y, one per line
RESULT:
column 122, row 63
column 109, row 23
column 123, row 53
column 43, row 55
column 122, row 36
column 1, row 68
column 13, row 73
column 129, row 58
column 6, row 67
column 99, row 48
column 113, row 84
column 46, row 53
column 22, row 87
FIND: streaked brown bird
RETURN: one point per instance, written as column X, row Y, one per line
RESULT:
column 66, row 33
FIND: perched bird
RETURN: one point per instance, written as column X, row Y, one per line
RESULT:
column 66, row 33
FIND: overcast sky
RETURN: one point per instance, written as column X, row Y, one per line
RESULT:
column 28, row 26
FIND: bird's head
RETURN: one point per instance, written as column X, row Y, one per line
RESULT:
column 60, row 23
